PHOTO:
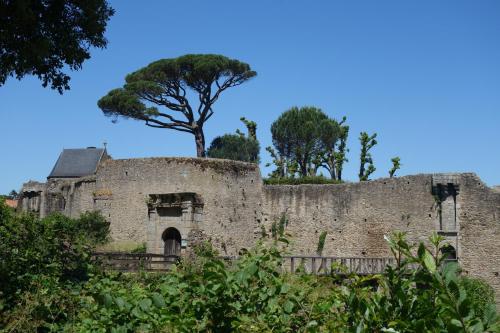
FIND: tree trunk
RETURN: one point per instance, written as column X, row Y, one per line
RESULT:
column 199, row 138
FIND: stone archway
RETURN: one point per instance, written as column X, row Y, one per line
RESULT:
column 172, row 242
column 449, row 253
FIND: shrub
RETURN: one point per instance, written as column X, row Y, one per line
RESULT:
column 55, row 246
column 235, row 147
column 480, row 293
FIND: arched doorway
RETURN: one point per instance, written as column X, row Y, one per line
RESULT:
column 172, row 242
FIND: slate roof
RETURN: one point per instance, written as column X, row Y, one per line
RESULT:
column 77, row 163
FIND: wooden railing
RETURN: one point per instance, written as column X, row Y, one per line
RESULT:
column 336, row 265
column 306, row 264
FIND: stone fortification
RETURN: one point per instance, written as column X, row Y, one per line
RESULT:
column 172, row 203
column 216, row 198
column 356, row 216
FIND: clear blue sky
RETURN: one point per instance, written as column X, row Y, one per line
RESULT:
column 424, row 75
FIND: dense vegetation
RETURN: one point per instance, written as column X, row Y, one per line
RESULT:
column 237, row 146
column 306, row 143
column 46, row 38
column 49, row 284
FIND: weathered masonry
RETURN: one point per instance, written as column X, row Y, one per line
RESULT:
column 172, row 203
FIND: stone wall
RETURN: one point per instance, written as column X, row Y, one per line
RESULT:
column 356, row 216
column 479, row 237
column 230, row 193
column 226, row 203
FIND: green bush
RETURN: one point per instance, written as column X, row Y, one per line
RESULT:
column 235, row 147
column 480, row 293
column 34, row 251
column 421, row 294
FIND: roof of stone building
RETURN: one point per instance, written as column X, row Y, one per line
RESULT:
column 11, row 203
column 77, row 162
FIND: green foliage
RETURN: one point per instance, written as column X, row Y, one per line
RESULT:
column 321, row 242
column 165, row 83
column 139, row 249
column 12, row 195
column 56, row 247
column 396, row 165
column 251, row 127
column 421, row 294
column 235, row 147
column 42, row 38
column 305, row 140
column 367, row 143
column 301, row 180
column 340, row 154
column 296, row 136
column 480, row 293
column 94, row 226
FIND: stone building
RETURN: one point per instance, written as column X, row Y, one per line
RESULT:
column 171, row 203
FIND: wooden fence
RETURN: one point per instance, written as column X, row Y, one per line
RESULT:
column 336, row 265
column 132, row 262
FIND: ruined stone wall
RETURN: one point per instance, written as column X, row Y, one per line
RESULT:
column 69, row 196
column 356, row 216
column 225, row 202
column 230, row 192
column 81, row 196
column 479, row 237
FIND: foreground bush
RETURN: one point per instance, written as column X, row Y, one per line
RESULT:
column 40, row 260
column 422, row 294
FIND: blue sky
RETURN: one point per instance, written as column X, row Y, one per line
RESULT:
column 424, row 75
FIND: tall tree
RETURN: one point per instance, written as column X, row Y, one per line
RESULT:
column 329, row 132
column 341, row 153
column 40, row 38
column 165, row 84
column 367, row 143
column 296, row 136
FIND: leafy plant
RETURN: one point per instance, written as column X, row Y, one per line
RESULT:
column 321, row 243
column 396, row 165
column 367, row 143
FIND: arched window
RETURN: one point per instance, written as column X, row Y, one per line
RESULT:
column 172, row 242
column 449, row 253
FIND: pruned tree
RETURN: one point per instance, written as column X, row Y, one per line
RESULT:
column 251, row 127
column 164, row 84
column 13, row 194
column 367, row 143
column 342, row 150
column 396, row 165
column 42, row 38
column 284, row 167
